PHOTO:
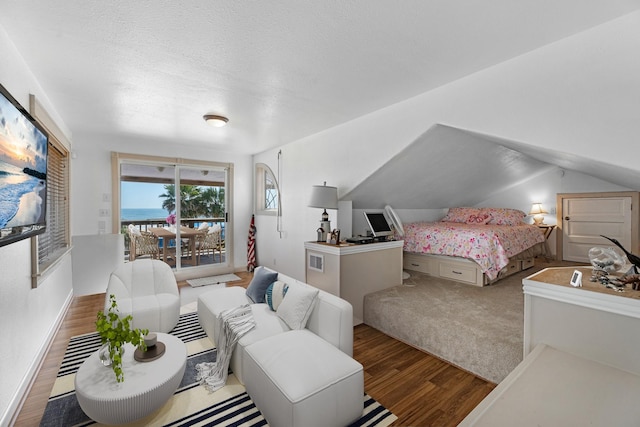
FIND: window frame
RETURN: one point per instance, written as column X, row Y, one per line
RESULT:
column 58, row 231
column 117, row 158
column 263, row 171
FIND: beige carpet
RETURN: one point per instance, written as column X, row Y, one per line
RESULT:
column 477, row 329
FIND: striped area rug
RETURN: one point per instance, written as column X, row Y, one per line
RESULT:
column 191, row 405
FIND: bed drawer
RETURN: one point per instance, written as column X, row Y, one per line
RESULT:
column 526, row 263
column 416, row 263
column 509, row 269
column 458, row 272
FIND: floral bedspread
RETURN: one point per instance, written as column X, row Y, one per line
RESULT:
column 488, row 245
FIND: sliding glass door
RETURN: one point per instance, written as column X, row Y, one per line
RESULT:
column 177, row 211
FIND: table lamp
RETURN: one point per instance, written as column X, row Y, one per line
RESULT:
column 537, row 211
column 324, row 197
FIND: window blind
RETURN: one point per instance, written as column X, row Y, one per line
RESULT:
column 54, row 240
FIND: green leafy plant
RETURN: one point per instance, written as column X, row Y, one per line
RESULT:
column 115, row 331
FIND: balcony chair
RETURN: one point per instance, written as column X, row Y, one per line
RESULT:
column 142, row 243
column 210, row 241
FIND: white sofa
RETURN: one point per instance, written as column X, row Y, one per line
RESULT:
column 147, row 290
column 301, row 377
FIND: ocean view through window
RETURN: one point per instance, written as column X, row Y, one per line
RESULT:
column 175, row 212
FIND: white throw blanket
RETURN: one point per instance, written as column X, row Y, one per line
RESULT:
column 234, row 323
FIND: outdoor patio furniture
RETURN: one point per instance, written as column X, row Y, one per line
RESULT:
column 209, row 242
column 142, row 243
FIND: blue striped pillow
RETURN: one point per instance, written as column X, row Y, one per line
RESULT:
column 275, row 294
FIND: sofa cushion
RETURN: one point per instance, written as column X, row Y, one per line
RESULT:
column 275, row 294
column 258, row 287
column 298, row 379
column 267, row 325
column 297, row 305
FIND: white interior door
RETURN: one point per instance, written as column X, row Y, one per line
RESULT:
column 585, row 219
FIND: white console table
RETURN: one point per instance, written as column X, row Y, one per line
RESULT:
column 581, row 364
column 351, row 271
column 592, row 321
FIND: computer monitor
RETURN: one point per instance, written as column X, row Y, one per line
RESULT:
column 378, row 224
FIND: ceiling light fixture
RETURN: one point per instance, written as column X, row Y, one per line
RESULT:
column 215, row 120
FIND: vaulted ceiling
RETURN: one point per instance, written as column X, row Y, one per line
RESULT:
column 448, row 167
column 280, row 70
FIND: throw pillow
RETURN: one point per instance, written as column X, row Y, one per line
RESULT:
column 459, row 214
column 134, row 230
column 297, row 305
column 275, row 294
column 258, row 287
column 479, row 219
column 203, row 226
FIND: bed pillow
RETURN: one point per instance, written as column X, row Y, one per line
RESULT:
column 297, row 305
column 461, row 215
column 259, row 284
column 505, row 216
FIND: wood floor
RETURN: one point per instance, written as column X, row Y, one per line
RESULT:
column 421, row 390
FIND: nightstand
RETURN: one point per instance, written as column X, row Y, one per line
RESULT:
column 546, row 229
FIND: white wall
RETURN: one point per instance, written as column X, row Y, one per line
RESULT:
column 28, row 316
column 91, row 177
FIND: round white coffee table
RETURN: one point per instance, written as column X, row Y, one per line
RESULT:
column 146, row 387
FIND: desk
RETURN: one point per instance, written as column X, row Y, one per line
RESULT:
column 185, row 233
column 351, row 271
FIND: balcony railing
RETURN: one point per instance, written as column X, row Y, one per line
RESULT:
column 146, row 224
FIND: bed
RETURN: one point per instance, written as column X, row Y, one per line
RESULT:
column 473, row 245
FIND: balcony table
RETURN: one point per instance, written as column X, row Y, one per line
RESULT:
column 185, row 233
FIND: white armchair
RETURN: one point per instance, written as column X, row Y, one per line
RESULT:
column 146, row 289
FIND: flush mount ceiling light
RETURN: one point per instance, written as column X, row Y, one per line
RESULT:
column 215, row 120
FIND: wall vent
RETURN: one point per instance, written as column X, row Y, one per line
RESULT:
column 316, row 262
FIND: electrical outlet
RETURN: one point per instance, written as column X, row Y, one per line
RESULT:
column 103, row 212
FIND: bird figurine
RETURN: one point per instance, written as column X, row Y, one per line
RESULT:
column 633, row 259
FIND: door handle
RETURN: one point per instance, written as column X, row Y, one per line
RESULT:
column 566, row 218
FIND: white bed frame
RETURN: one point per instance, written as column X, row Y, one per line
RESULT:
column 461, row 270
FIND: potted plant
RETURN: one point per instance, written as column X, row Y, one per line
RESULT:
column 115, row 331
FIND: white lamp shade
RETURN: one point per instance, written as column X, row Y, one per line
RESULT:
column 324, row 197
column 537, row 209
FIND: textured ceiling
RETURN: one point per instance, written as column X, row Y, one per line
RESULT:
column 280, row 70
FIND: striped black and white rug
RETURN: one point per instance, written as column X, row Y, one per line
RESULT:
column 191, row 404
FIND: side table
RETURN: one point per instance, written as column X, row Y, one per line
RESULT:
column 146, row 387
column 546, row 229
